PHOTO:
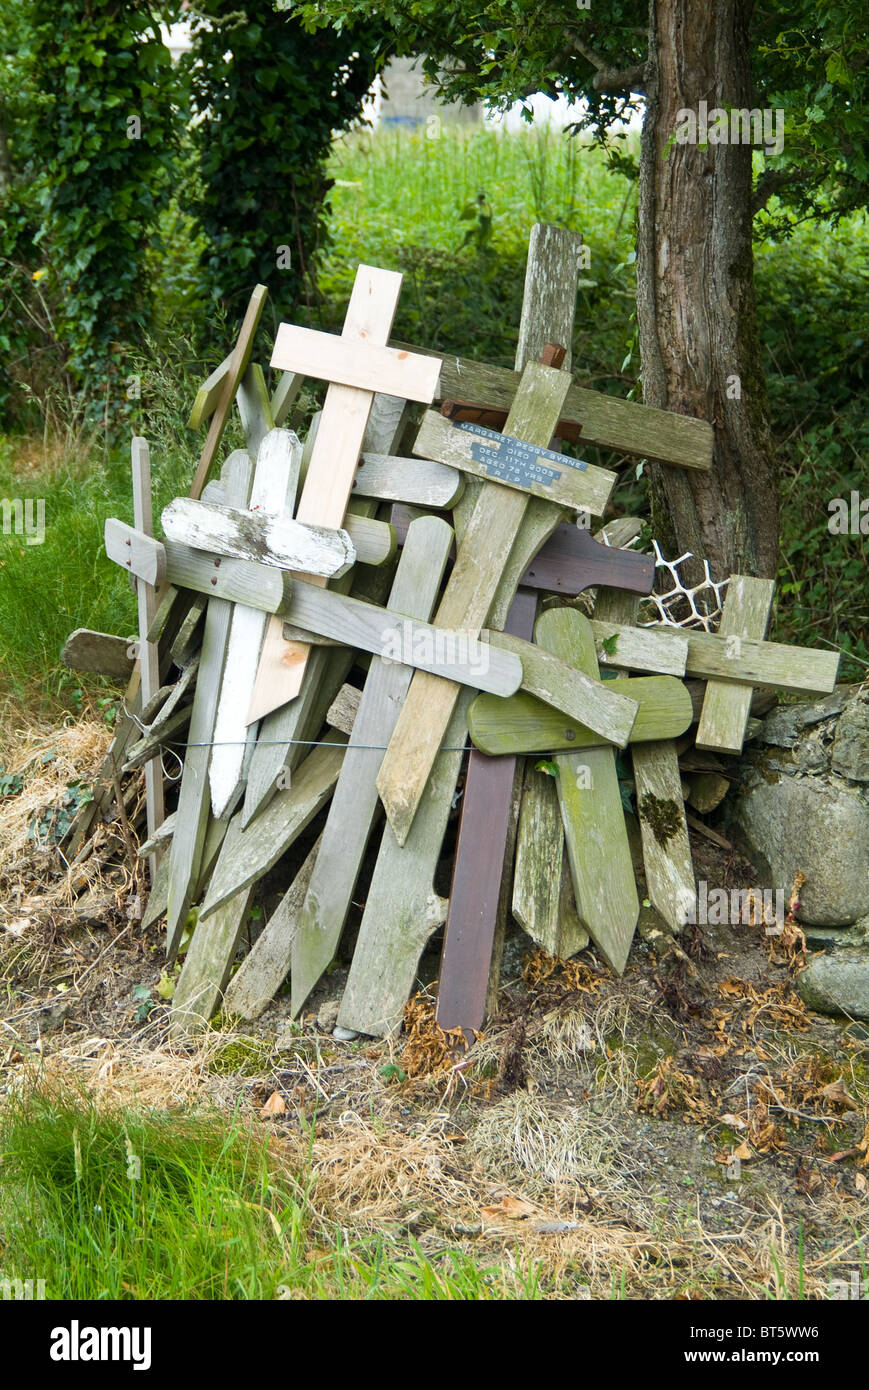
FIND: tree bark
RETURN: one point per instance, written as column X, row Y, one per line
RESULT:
column 699, row 348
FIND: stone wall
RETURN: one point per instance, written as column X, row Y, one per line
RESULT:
column 801, row 805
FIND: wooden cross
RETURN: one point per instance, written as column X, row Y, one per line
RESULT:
column 272, row 494
column 356, row 365
column 747, row 607
column 469, row 596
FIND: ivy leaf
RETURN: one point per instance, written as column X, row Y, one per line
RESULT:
column 547, row 765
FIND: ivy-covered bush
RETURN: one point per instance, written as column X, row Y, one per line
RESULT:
column 94, row 144
column 267, row 99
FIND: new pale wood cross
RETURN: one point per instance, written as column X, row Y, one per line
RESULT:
column 357, row 365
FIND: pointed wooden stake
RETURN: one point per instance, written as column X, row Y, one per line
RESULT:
column 148, row 653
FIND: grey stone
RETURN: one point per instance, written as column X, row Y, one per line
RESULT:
column 785, row 724
column 327, row 1015
column 851, row 744
column 827, row 938
column 837, row 983
column 818, row 827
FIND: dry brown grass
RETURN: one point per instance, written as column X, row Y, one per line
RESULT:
column 78, row 748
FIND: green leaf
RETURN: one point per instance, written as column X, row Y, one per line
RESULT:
column 548, row 766
column 392, row 1073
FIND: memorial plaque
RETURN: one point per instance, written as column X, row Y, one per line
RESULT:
column 516, row 463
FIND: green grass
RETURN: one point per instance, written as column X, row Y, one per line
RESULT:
column 409, row 203
column 66, row 582
column 129, row 1204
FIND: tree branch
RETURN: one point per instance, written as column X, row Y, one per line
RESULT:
column 768, row 184
column 607, row 79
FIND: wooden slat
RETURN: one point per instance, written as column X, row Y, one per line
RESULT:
column 139, row 554
column 611, row 713
column 262, row 972
column 660, row 810
column 285, row 395
column 468, row 598
column 243, row 534
column 479, row 870
column 165, row 609
column 524, row 724
column 207, row 966
column 208, row 395
column 591, row 808
column 402, row 908
column 491, row 801
column 247, row 854
column 576, row 485
column 149, row 656
column 363, row 364
column 329, row 479
column 99, row 652
column 162, row 835
column 418, row 482
column 188, row 638
column 544, row 904
column 343, row 710
column 254, row 407
column 666, row 846
column 125, row 728
column 301, row 718
column 273, row 491
column 375, row 542
column 660, row 650
column 238, row 364
column 238, row 581
column 768, row 665
column 572, row 561
column 444, row 653
column 355, row 804
column 606, row 421
column 193, row 800
column 747, row 607
column 168, row 730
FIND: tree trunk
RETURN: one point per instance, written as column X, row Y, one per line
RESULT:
column 695, row 299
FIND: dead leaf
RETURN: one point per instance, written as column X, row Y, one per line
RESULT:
column 743, row 1153
column 733, row 1121
column 275, row 1105
column 861, row 1183
column 835, row 1094
column 513, row 1208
